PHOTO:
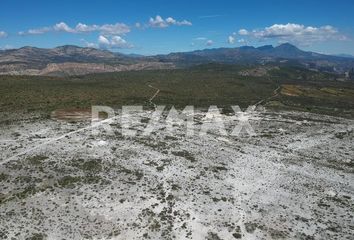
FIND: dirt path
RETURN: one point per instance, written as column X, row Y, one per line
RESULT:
column 153, row 96
column 275, row 93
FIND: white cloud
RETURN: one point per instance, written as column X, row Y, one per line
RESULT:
column 184, row 22
column 119, row 42
column 170, row 20
column 3, row 34
column 242, row 41
column 39, row 31
column 138, row 25
column 113, row 42
column 107, row 29
column 89, row 44
column 102, row 40
column 159, row 22
column 297, row 33
column 231, row 40
column 62, row 26
column 112, row 29
column 36, row 31
column 243, row 32
column 209, row 42
column 202, row 41
column 81, row 27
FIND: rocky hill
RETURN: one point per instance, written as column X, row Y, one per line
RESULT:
column 70, row 60
column 282, row 54
column 73, row 60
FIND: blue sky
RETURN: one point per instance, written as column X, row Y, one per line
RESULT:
column 152, row 27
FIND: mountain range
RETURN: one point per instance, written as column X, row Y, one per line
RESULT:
column 74, row 60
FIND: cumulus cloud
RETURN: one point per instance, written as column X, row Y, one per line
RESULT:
column 297, row 33
column 184, row 22
column 170, row 20
column 82, row 28
column 39, row 30
column 201, row 41
column 107, row 29
column 159, row 22
column 209, row 42
column 89, row 44
column 242, row 41
column 3, row 34
column 114, row 42
column 62, row 26
column 231, row 40
column 112, row 29
column 102, row 40
column 243, row 32
column 119, row 42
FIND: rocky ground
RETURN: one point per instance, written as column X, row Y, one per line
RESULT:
column 293, row 180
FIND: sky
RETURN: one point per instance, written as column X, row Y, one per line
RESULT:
column 159, row 27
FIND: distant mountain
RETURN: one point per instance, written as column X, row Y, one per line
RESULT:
column 70, row 60
column 73, row 60
column 284, row 53
column 287, row 50
column 41, row 57
column 344, row 55
column 266, row 48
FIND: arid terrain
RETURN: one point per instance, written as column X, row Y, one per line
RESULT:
column 177, row 120
column 63, row 178
column 293, row 180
